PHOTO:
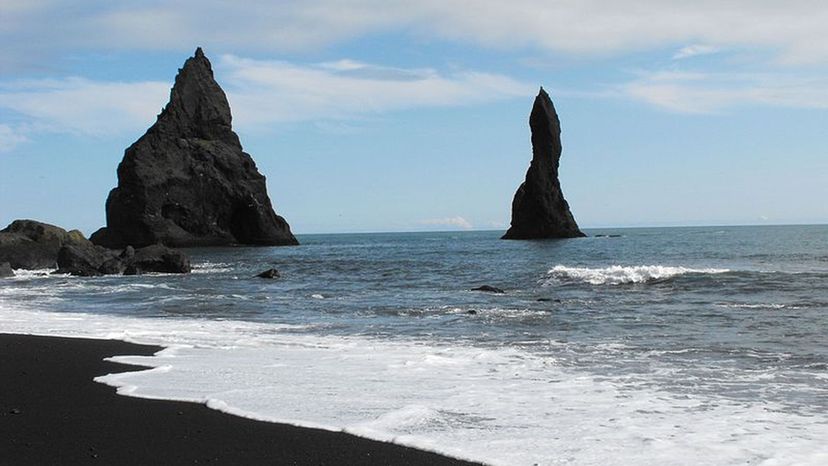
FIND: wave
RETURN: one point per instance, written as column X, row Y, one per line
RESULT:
column 212, row 267
column 618, row 275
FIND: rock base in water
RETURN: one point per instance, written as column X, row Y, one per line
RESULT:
column 269, row 273
column 539, row 209
column 187, row 182
column 29, row 244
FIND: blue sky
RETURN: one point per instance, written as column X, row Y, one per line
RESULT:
column 374, row 115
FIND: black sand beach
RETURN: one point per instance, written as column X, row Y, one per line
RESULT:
column 52, row 412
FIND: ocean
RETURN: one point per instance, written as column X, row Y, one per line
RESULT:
column 693, row 345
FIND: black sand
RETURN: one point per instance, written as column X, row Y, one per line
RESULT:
column 51, row 412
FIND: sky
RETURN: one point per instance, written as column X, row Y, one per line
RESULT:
column 386, row 115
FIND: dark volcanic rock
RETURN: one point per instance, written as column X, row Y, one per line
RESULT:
column 88, row 260
column 157, row 258
column 187, row 182
column 27, row 244
column 488, row 289
column 269, row 273
column 6, row 270
column 539, row 209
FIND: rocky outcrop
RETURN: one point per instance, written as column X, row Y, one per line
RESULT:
column 28, row 244
column 269, row 273
column 157, row 258
column 187, row 182
column 89, row 260
column 539, row 209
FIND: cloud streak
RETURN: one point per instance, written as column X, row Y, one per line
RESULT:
column 695, row 50
column 793, row 30
column 261, row 93
column 457, row 222
column 265, row 92
column 714, row 92
column 82, row 106
column 10, row 138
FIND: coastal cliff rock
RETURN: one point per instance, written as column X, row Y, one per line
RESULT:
column 187, row 182
column 539, row 209
column 28, row 244
column 6, row 270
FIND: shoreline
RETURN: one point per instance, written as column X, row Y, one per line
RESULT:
column 52, row 412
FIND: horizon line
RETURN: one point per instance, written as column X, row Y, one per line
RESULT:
column 629, row 227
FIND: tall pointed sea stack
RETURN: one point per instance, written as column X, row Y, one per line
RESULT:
column 539, row 209
column 187, row 182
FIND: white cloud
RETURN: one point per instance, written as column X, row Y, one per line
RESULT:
column 261, row 93
column 713, row 92
column 10, row 138
column 265, row 92
column 794, row 30
column 694, row 51
column 450, row 222
column 78, row 105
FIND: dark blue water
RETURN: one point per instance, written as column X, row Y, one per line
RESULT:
column 737, row 314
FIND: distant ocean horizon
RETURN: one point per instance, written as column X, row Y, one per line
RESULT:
column 586, row 229
column 635, row 345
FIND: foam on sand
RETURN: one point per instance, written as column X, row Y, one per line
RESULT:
column 500, row 405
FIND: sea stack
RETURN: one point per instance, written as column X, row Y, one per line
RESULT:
column 186, row 182
column 539, row 209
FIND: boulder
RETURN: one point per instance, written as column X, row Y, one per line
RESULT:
column 269, row 273
column 187, row 181
column 157, row 258
column 6, row 270
column 88, row 260
column 539, row 209
column 28, row 244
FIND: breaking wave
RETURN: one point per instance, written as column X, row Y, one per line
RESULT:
column 618, row 275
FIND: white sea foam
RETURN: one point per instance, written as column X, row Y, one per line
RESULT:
column 617, row 274
column 498, row 405
column 212, row 267
column 24, row 274
column 757, row 306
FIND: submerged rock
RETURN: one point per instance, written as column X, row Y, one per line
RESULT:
column 187, row 181
column 6, row 270
column 488, row 289
column 90, row 260
column 84, row 260
column 269, row 273
column 157, row 258
column 28, row 244
column 539, row 209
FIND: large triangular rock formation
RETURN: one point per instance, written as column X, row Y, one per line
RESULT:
column 539, row 209
column 187, row 182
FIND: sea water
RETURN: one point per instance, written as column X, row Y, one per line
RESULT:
column 632, row 346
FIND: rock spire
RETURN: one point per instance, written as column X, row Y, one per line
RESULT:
column 187, row 181
column 539, row 209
